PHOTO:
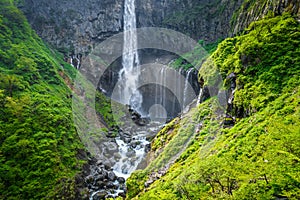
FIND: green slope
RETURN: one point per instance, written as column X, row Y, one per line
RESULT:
column 259, row 157
column 38, row 141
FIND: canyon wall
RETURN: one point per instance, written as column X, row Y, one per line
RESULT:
column 76, row 26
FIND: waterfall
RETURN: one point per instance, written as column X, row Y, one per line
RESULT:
column 199, row 96
column 163, row 82
column 129, row 74
column 180, row 86
column 131, row 146
column 75, row 61
column 186, row 85
column 130, row 157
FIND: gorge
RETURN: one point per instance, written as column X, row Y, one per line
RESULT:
column 149, row 99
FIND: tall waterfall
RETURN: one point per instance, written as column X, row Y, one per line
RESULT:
column 129, row 74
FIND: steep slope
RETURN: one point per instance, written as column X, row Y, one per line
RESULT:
column 259, row 156
column 40, row 151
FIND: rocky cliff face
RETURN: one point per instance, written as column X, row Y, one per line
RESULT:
column 253, row 10
column 208, row 20
column 75, row 26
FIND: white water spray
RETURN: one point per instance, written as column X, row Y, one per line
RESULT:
column 129, row 74
column 186, row 85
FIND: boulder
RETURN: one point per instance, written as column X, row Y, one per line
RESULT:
column 122, row 194
column 110, row 185
column 111, row 176
column 100, row 195
column 89, row 179
column 100, row 184
column 121, row 180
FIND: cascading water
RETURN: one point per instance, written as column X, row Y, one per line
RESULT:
column 186, row 84
column 75, row 61
column 129, row 74
column 131, row 152
column 199, row 96
column 132, row 140
column 163, row 91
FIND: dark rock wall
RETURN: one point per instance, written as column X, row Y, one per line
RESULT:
column 255, row 9
column 75, row 26
column 208, row 20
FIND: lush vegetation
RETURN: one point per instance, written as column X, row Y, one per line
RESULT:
column 259, row 157
column 196, row 57
column 39, row 143
column 41, row 152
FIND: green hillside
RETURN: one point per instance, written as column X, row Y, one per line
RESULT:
column 257, row 158
column 39, row 143
column 195, row 156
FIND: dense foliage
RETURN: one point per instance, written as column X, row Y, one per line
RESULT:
column 259, row 157
column 38, row 141
column 197, row 56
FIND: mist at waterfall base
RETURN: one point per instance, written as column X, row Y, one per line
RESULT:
column 152, row 91
column 163, row 92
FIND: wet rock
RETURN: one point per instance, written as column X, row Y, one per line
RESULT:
column 130, row 153
column 111, row 147
column 108, row 167
column 134, row 144
column 122, row 194
column 99, row 170
column 92, row 160
column 100, row 195
column 147, row 148
column 110, row 196
column 100, row 184
column 105, row 174
column 117, row 156
column 231, row 75
column 133, row 160
column 126, row 139
column 143, row 121
column 89, row 179
column 121, row 180
column 111, row 176
column 126, row 134
column 107, row 164
column 124, row 169
column 110, row 185
column 123, row 187
column 99, row 162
